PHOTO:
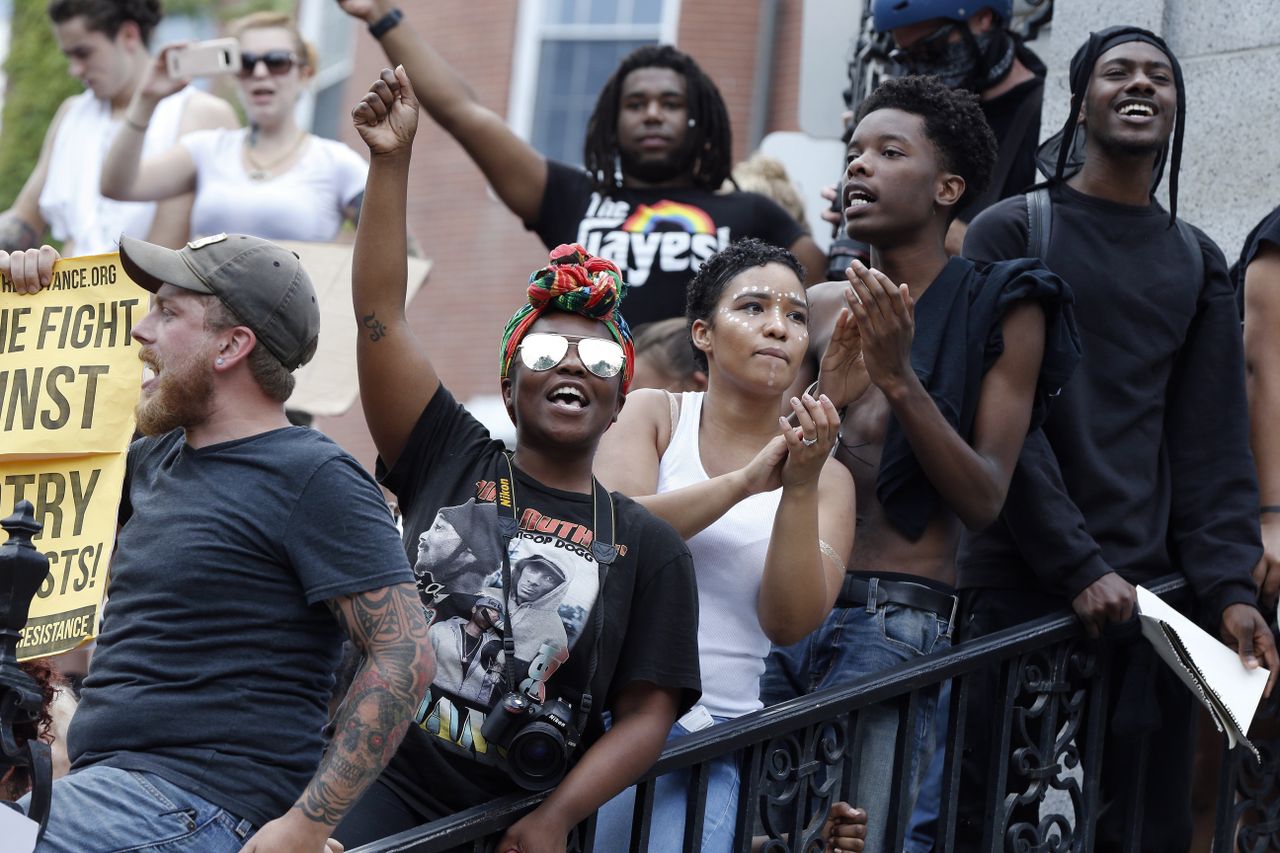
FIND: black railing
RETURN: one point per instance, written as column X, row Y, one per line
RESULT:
column 799, row 757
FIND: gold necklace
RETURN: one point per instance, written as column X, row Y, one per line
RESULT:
column 260, row 171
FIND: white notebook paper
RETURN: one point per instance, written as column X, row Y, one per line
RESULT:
column 1209, row 668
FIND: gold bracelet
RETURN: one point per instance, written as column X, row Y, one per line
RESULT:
column 141, row 128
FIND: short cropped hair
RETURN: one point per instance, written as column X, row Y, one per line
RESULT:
column 107, row 16
column 953, row 122
column 716, row 272
column 275, row 380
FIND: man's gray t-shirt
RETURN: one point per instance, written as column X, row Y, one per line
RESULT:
column 217, row 652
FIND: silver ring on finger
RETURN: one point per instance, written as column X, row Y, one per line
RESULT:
column 808, row 442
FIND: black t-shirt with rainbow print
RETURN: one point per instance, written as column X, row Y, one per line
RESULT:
column 658, row 237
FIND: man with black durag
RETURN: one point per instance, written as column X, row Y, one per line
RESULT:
column 1142, row 468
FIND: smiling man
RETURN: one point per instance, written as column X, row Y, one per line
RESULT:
column 659, row 120
column 598, row 606
column 1143, row 467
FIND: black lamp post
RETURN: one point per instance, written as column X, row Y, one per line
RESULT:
column 22, row 568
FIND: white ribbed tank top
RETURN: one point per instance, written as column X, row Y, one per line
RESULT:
column 728, row 558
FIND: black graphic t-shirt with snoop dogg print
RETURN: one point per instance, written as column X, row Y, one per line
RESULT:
column 444, row 483
column 658, row 237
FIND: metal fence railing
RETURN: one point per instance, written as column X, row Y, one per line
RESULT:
column 799, row 757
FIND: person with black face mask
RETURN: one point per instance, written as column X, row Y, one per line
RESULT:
column 969, row 46
column 658, row 148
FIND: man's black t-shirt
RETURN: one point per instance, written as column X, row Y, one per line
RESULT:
column 658, row 237
column 1143, row 465
column 1266, row 231
column 444, row 480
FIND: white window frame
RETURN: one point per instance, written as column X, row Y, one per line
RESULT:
column 531, row 31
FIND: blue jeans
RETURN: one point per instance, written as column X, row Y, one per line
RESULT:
column 107, row 810
column 852, row 643
column 670, row 798
column 922, row 829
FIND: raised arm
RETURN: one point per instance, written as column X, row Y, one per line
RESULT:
column 397, row 379
column 517, row 172
column 631, row 451
column 1262, row 363
column 388, row 626
column 124, row 175
column 172, row 223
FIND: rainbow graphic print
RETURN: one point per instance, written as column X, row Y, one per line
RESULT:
column 648, row 218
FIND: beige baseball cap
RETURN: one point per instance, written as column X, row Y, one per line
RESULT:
column 263, row 284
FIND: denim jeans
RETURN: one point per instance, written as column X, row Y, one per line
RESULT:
column 670, row 798
column 922, row 829
column 852, row 643
column 104, row 809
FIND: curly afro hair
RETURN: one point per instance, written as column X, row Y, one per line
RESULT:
column 107, row 16
column 716, row 272
column 953, row 122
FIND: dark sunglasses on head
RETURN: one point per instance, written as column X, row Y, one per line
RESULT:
column 927, row 51
column 543, row 351
column 277, row 62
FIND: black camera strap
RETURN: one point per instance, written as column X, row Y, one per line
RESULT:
column 603, row 550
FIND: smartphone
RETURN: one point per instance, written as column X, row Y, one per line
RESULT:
column 204, row 59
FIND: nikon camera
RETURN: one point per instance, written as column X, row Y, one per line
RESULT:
column 538, row 738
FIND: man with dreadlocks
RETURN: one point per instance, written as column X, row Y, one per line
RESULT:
column 622, row 635
column 1143, row 466
column 658, row 148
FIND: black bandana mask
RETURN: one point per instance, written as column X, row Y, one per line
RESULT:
column 973, row 62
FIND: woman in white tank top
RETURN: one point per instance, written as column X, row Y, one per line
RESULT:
column 767, row 514
column 271, row 179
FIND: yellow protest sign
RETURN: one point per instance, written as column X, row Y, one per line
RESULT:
column 69, row 380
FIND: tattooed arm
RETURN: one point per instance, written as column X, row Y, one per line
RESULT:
column 397, row 379
column 388, row 626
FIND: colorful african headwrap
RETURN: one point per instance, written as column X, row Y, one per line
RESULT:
column 576, row 283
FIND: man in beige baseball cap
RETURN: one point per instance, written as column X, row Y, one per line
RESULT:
column 214, row 664
column 253, row 293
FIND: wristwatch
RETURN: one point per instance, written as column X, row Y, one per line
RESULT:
column 387, row 22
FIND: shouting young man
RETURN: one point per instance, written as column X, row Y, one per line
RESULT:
column 945, row 365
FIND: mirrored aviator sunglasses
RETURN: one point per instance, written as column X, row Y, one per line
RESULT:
column 543, row 351
column 278, row 62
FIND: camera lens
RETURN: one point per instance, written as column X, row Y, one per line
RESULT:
column 538, row 756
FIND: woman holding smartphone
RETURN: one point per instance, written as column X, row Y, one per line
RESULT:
column 272, row 178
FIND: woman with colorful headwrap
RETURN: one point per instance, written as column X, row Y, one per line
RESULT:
column 767, row 514
column 623, row 634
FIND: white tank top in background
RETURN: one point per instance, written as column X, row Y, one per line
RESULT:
column 728, row 559
column 70, row 202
